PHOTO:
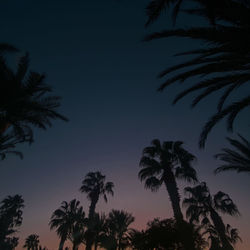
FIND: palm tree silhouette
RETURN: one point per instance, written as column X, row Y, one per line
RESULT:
column 94, row 186
column 237, row 159
column 65, row 220
column 202, row 205
column 24, row 100
column 163, row 164
column 32, row 242
column 99, row 229
column 8, row 144
column 77, row 233
column 118, row 223
column 224, row 63
column 10, row 219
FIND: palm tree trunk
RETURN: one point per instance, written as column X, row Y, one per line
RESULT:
column 89, row 239
column 75, row 246
column 62, row 241
column 173, row 192
column 221, row 229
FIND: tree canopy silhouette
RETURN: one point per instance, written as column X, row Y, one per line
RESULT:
column 223, row 61
column 94, row 186
column 11, row 210
column 237, row 159
column 163, row 163
column 25, row 102
column 68, row 220
column 202, row 206
column 32, row 242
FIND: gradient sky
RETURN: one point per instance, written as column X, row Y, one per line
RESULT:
column 92, row 54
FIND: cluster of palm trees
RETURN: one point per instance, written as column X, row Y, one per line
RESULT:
column 97, row 229
column 164, row 164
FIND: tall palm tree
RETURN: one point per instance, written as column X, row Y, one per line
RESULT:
column 201, row 205
column 164, row 164
column 224, row 62
column 24, row 100
column 32, row 242
column 118, row 223
column 94, row 186
column 237, row 159
column 64, row 220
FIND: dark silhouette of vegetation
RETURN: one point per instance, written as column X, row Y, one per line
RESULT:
column 163, row 164
column 24, row 103
column 166, row 234
column 237, row 159
column 69, row 221
column 223, row 61
column 202, row 206
column 94, row 186
column 100, row 229
column 32, row 242
column 11, row 210
column 118, row 225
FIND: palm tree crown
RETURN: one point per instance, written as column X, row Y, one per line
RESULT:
column 24, row 100
column 94, row 186
column 201, row 205
column 223, row 63
column 66, row 219
column 163, row 164
column 237, row 159
column 118, row 223
column 32, row 242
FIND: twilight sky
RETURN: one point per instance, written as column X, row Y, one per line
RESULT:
column 92, row 54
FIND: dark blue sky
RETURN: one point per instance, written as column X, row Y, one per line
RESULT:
column 92, row 54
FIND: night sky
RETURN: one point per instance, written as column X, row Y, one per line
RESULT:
column 93, row 55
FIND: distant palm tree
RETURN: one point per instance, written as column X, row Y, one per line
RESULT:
column 32, row 242
column 201, row 205
column 232, row 236
column 77, row 233
column 163, row 164
column 118, row 223
column 24, row 100
column 65, row 219
column 11, row 210
column 237, row 159
column 99, row 229
column 94, row 186
column 226, row 55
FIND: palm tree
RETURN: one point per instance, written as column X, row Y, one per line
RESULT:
column 99, row 229
column 163, row 164
column 94, row 186
column 237, row 159
column 32, row 242
column 24, row 100
column 118, row 223
column 8, row 144
column 227, row 55
column 77, row 233
column 65, row 219
column 202, row 205
column 10, row 219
